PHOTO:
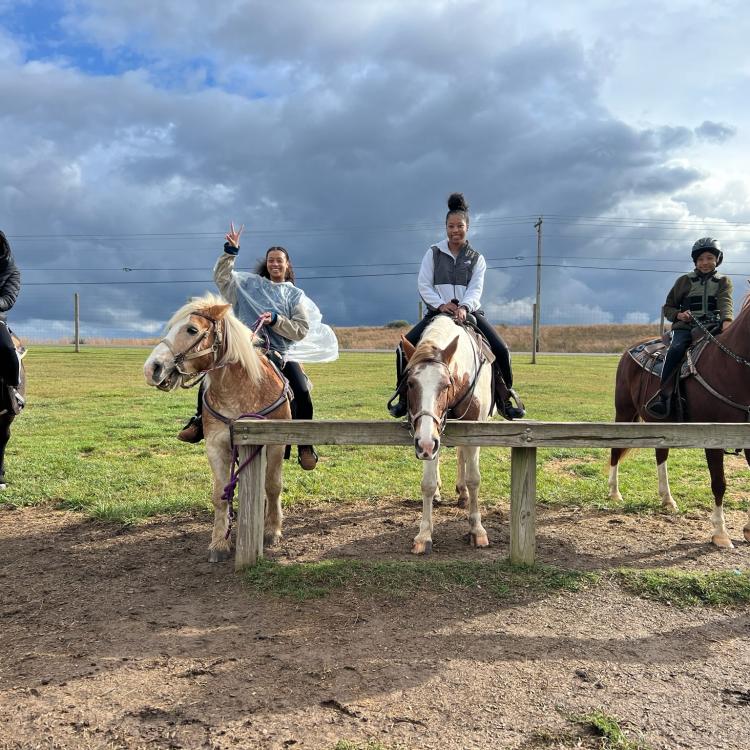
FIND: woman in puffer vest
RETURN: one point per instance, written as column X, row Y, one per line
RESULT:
column 451, row 279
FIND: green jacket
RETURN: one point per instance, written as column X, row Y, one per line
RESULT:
column 705, row 295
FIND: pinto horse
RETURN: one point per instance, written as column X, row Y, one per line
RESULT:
column 447, row 375
column 205, row 338
column 719, row 391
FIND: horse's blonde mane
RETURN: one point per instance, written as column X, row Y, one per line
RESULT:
column 436, row 337
column 237, row 339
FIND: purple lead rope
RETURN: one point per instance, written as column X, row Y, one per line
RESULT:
column 235, row 471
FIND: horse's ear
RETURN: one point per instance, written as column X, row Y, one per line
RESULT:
column 408, row 348
column 217, row 312
column 450, row 350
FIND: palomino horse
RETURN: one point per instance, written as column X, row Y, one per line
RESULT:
column 719, row 391
column 447, row 375
column 7, row 413
column 205, row 337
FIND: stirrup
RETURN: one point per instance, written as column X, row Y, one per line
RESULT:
column 17, row 401
column 508, row 410
column 659, row 407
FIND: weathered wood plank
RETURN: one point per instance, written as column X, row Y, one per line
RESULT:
column 523, row 505
column 252, row 509
column 500, row 434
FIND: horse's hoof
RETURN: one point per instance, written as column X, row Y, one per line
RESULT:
column 271, row 538
column 479, row 541
column 746, row 533
column 3, row 486
column 616, row 497
column 218, row 555
column 421, row 548
column 722, row 541
column 669, row 506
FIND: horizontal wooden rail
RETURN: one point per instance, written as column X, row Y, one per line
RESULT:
column 520, row 434
column 522, row 437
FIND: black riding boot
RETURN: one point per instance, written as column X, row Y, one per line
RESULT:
column 661, row 408
column 399, row 408
column 504, row 398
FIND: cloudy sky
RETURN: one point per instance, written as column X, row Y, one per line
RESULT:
column 132, row 133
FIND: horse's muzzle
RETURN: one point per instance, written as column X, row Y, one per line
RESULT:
column 426, row 454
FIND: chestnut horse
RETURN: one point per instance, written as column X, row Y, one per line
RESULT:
column 447, row 375
column 205, row 338
column 719, row 392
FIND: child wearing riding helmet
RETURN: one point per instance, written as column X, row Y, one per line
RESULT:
column 451, row 280
column 702, row 295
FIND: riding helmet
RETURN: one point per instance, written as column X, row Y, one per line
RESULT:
column 707, row 245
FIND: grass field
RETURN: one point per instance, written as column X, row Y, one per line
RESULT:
column 95, row 438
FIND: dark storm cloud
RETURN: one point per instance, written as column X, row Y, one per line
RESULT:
column 337, row 136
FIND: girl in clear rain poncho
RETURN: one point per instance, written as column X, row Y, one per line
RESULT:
column 290, row 319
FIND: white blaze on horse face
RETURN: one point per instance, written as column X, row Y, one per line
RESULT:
column 424, row 398
column 161, row 360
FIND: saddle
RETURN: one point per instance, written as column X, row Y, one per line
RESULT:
column 650, row 356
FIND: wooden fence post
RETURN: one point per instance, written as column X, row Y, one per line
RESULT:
column 252, row 509
column 522, row 505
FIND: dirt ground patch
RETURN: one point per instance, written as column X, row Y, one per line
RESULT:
column 128, row 638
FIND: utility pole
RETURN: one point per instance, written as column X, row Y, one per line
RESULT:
column 77, row 323
column 538, row 304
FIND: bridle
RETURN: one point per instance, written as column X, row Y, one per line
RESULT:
column 479, row 361
column 188, row 379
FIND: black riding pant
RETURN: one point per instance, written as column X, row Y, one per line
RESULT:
column 681, row 340
column 498, row 346
column 9, row 365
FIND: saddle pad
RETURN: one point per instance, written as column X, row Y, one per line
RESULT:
column 650, row 356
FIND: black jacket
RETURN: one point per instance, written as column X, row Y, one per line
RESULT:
column 10, row 278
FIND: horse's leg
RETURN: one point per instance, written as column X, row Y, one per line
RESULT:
column 219, row 458
column 615, row 457
column 477, row 532
column 746, row 530
column 461, row 489
column 274, row 516
column 715, row 460
column 5, row 421
column 423, row 540
column 667, row 501
column 436, row 497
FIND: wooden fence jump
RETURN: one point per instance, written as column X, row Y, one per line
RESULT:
column 522, row 437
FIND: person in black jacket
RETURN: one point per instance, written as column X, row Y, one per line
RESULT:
column 10, row 285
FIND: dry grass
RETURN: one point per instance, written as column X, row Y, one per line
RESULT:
column 606, row 338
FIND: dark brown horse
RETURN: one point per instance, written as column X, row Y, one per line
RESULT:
column 7, row 414
column 724, row 396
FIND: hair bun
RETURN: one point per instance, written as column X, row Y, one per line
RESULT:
column 457, row 202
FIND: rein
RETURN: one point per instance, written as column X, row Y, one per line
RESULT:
column 725, row 349
column 702, row 381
